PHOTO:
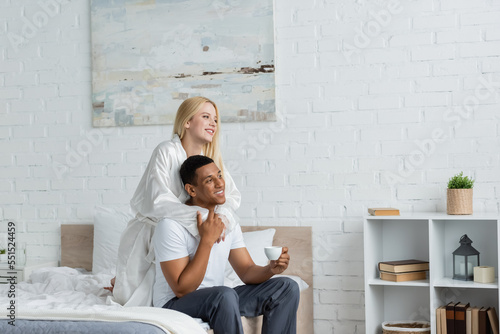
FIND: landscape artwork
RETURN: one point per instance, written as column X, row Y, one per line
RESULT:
column 148, row 56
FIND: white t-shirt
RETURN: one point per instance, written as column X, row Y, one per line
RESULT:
column 172, row 241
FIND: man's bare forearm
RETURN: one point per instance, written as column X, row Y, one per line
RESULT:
column 257, row 274
column 192, row 276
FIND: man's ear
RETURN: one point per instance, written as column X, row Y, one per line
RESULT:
column 190, row 190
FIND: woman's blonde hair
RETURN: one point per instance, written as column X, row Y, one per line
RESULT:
column 186, row 111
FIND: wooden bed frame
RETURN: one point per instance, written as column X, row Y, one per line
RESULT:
column 77, row 243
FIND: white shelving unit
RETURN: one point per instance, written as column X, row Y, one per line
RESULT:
column 429, row 236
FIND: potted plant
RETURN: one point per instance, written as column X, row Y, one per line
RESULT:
column 459, row 195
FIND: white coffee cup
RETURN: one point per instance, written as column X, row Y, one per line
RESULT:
column 273, row 252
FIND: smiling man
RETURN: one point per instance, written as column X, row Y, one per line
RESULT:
column 190, row 271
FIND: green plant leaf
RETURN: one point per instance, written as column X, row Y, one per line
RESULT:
column 460, row 181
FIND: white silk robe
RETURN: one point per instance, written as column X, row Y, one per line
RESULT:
column 160, row 194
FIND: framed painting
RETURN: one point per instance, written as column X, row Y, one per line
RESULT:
column 150, row 55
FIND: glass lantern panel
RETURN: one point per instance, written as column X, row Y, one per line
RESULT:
column 459, row 265
column 472, row 261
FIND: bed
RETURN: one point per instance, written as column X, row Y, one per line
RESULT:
column 85, row 307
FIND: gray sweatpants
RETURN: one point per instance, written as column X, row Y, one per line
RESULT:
column 277, row 299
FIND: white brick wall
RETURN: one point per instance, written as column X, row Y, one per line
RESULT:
column 356, row 97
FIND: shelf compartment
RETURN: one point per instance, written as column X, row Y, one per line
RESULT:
column 391, row 240
column 388, row 306
column 476, row 297
column 445, row 236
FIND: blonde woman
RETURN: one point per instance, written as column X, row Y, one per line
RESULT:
column 160, row 194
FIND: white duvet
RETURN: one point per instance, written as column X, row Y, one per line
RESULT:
column 68, row 294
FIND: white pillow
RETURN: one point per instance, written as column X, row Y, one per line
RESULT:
column 255, row 242
column 108, row 227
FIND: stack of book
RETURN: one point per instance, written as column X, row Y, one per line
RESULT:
column 461, row 318
column 403, row 270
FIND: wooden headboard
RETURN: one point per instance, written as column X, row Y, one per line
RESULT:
column 77, row 246
column 77, row 242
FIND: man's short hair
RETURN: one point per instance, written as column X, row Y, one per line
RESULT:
column 189, row 167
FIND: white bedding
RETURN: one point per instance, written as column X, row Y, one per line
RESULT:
column 68, row 294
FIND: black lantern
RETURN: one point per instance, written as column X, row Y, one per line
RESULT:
column 465, row 258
